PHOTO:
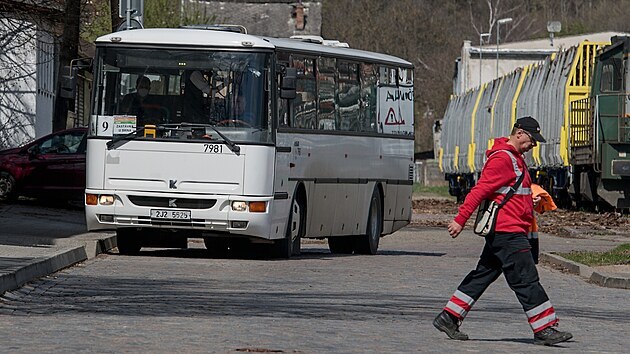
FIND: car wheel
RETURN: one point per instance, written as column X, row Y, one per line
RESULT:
column 368, row 243
column 128, row 241
column 8, row 191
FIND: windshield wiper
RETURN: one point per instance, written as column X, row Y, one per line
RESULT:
column 130, row 136
column 230, row 144
column 176, row 126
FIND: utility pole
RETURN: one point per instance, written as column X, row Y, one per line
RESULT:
column 499, row 23
column 481, row 40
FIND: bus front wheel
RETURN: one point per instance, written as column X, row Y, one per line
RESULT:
column 368, row 243
column 291, row 244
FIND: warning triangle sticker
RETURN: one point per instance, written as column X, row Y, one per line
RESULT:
column 391, row 118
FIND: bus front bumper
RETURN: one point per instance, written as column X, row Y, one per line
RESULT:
column 210, row 213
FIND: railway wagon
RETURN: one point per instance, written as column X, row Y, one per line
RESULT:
column 579, row 96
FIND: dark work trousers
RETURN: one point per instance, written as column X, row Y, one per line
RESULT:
column 533, row 242
column 507, row 253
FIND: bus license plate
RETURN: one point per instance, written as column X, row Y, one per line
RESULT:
column 170, row 214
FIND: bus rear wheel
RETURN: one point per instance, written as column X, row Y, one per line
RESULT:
column 368, row 243
column 128, row 241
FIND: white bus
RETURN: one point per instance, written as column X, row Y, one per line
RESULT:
column 240, row 139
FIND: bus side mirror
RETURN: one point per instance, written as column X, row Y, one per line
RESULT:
column 288, row 84
column 69, row 82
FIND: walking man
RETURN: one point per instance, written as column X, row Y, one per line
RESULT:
column 507, row 250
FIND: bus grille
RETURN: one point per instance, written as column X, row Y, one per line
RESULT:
column 207, row 224
column 165, row 202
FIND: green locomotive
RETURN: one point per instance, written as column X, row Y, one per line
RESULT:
column 600, row 131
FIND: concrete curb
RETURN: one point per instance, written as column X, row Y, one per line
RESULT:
column 43, row 266
column 584, row 271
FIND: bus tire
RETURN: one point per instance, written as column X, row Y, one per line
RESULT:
column 291, row 244
column 368, row 243
column 128, row 241
column 8, row 190
column 341, row 244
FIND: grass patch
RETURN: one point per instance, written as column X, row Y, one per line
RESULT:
column 420, row 189
column 618, row 255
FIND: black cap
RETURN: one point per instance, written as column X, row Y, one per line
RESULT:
column 531, row 126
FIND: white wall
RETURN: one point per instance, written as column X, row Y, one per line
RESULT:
column 18, row 83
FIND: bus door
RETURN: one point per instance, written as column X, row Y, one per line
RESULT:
column 283, row 188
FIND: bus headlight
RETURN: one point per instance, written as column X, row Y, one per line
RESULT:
column 106, row 199
column 239, row 206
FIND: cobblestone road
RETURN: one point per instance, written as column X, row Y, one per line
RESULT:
column 183, row 301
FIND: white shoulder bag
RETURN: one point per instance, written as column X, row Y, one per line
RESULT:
column 488, row 210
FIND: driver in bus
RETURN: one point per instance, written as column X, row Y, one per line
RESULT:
column 132, row 102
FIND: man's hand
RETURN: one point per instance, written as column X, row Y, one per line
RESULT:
column 454, row 229
column 537, row 200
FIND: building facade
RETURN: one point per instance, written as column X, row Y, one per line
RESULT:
column 273, row 18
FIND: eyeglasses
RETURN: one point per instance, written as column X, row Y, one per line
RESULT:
column 531, row 138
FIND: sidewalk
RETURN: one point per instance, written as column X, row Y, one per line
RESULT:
column 36, row 241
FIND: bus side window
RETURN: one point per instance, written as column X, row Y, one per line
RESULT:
column 348, row 97
column 367, row 109
column 305, row 104
column 283, row 104
column 326, row 68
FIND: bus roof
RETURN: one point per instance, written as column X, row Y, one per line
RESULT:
column 212, row 38
column 308, row 47
column 183, row 36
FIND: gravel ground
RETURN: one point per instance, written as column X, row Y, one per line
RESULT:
column 439, row 211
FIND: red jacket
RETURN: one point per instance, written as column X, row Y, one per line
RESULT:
column 517, row 214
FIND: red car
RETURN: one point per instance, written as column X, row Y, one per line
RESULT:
column 53, row 165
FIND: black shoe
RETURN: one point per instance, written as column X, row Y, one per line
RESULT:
column 551, row 336
column 446, row 324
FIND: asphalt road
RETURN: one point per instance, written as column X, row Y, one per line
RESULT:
column 186, row 301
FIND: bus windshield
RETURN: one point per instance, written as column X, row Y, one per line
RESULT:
column 171, row 88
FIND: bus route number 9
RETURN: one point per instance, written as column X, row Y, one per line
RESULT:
column 213, row 148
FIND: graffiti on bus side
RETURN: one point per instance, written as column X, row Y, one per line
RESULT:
column 395, row 111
